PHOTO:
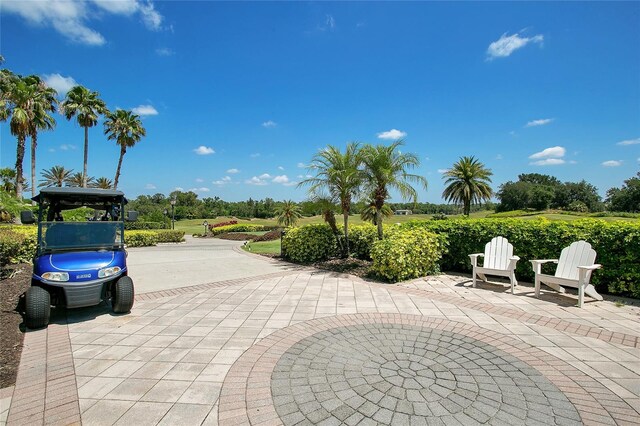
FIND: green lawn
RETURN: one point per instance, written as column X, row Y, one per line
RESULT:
column 263, row 247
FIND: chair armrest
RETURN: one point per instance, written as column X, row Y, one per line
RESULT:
column 474, row 258
column 516, row 258
column 512, row 262
column 590, row 268
column 537, row 264
column 541, row 261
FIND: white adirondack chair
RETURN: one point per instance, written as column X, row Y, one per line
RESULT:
column 574, row 269
column 498, row 260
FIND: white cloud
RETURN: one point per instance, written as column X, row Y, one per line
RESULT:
column 199, row 180
column 393, row 134
column 329, row 24
column 204, row 150
column 178, row 188
column 302, row 165
column 553, row 152
column 541, row 122
column 269, row 124
column 255, row 155
column 203, row 189
column 233, row 171
column 70, row 18
column 548, row 162
column 67, row 147
column 280, row 168
column 506, row 45
column 265, row 176
column 145, row 110
column 226, row 179
column 219, row 182
column 165, row 51
column 443, row 171
column 255, row 181
column 281, row 179
column 499, row 157
column 60, row 83
column 629, row 142
column 149, row 186
column 51, row 150
column 612, row 163
column 150, row 16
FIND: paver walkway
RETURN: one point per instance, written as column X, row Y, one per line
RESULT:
column 315, row 347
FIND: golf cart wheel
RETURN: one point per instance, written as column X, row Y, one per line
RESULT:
column 38, row 307
column 122, row 295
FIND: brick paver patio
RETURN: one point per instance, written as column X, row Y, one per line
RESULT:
column 313, row 346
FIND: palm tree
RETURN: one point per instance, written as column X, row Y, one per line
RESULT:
column 368, row 214
column 385, row 168
column 126, row 129
column 86, row 106
column 102, row 183
column 43, row 103
column 339, row 174
column 467, row 183
column 288, row 213
column 77, row 179
column 17, row 97
column 55, row 176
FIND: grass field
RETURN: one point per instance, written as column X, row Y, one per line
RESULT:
column 263, row 247
column 195, row 225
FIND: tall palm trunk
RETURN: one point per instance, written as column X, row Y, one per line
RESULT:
column 467, row 207
column 379, row 222
column 86, row 156
column 378, row 200
column 34, row 144
column 19, row 170
column 345, row 214
column 123, row 150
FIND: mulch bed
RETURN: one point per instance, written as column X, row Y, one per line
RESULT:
column 237, row 236
column 14, row 282
column 357, row 267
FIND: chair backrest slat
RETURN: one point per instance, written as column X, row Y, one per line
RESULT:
column 577, row 254
column 497, row 253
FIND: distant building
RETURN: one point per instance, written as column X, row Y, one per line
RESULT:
column 402, row 212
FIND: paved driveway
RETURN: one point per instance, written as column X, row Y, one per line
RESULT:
column 300, row 346
column 198, row 261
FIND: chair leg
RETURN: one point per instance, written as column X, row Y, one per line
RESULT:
column 474, row 277
column 514, row 283
column 580, row 295
column 537, row 286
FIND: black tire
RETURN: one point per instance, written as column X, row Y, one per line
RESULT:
column 122, row 295
column 38, row 307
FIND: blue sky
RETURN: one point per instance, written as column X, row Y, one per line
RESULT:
column 236, row 97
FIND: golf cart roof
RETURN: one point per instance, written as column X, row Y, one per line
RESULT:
column 71, row 197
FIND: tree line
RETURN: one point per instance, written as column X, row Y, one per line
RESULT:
column 29, row 105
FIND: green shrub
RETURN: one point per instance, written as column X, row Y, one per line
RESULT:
column 361, row 239
column 617, row 245
column 138, row 225
column 310, row 243
column 141, row 238
column 169, row 236
column 405, row 254
column 578, row 206
column 17, row 246
column 241, row 227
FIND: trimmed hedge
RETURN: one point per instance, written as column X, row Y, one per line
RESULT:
column 405, row 254
column 241, row 227
column 151, row 238
column 617, row 245
column 361, row 239
column 310, row 243
column 137, row 226
column 141, row 238
column 17, row 246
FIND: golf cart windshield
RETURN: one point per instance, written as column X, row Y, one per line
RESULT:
column 80, row 235
column 104, row 230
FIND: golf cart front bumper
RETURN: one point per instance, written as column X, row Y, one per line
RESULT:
column 81, row 294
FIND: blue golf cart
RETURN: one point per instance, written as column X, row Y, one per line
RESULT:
column 78, row 264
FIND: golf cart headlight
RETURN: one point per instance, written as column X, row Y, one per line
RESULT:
column 56, row 276
column 107, row 272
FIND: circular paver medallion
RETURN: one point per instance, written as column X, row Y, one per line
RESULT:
column 401, row 374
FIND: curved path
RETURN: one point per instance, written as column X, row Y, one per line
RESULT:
column 219, row 336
